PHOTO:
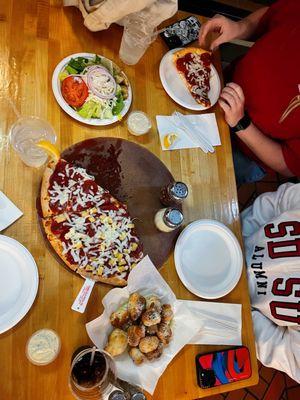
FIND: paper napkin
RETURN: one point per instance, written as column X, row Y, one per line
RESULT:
column 9, row 213
column 219, row 323
column 207, row 123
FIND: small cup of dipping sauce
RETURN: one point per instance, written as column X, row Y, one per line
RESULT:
column 43, row 347
column 138, row 123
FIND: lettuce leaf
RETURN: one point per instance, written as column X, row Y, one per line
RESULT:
column 90, row 109
column 118, row 107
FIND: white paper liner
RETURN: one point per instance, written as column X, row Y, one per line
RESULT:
column 192, row 323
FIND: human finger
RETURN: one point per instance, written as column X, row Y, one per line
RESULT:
column 238, row 89
column 209, row 26
column 232, row 92
column 217, row 42
column 228, row 98
column 225, row 107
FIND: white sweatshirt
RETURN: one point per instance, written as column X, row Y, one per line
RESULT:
column 271, row 231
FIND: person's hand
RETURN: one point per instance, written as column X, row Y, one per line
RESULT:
column 232, row 102
column 227, row 29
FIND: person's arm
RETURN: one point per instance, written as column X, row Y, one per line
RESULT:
column 266, row 149
column 228, row 29
column 232, row 101
column 277, row 346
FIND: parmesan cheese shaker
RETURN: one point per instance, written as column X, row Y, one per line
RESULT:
column 168, row 219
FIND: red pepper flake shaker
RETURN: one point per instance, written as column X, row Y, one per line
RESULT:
column 173, row 194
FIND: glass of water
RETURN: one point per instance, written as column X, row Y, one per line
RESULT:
column 138, row 34
column 25, row 133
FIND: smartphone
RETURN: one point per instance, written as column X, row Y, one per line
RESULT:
column 221, row 367
column 181, row 32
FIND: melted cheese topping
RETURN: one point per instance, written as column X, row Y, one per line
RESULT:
column 73, row 189
column 101, row 241
column 200, row 75
column 98, row 239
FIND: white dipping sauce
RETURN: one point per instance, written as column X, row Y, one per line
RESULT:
column 138, row 123
column 43, row 347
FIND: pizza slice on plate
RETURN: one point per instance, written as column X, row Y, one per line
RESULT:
column 89, row 229
column 194, row 66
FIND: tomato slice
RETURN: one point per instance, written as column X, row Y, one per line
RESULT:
column 74, row 90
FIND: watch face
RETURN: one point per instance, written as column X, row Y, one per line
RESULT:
column 239, row 126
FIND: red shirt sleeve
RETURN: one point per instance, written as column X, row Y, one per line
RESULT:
column 291, row 155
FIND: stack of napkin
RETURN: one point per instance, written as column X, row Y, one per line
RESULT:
column 9, row 213
column 191, row 131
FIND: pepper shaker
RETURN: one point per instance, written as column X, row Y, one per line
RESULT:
column 173, row 194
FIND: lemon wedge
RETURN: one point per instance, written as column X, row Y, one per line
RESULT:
column 170, row 139
column 49, row 148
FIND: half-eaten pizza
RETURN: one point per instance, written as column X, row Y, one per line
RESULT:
column 194, row 66
column 88, row 228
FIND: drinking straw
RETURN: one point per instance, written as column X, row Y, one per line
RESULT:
column 93, row 355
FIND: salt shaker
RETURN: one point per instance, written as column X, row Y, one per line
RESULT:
column 117, row 395
column 138, row 396
column 173, row 194
column 168, row 219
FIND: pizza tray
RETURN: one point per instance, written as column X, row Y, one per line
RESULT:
column 134, row 176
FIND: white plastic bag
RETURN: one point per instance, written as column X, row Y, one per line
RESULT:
column 105, row 12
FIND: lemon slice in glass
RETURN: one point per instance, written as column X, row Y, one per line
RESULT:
column 169, row 140
column 49, row 148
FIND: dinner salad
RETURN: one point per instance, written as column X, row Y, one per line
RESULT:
column 94, row 87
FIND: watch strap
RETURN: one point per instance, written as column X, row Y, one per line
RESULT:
column 242, row 124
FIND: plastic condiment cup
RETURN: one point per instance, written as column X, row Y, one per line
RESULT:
column 138, row 123
column 51, row 341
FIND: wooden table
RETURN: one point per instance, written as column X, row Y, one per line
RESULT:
column 34, row 37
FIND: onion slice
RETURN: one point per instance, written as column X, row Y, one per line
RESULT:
column 100, row 82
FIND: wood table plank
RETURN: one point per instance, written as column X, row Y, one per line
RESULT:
column 34, row 37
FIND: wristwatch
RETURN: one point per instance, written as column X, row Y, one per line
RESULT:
column 242, row 124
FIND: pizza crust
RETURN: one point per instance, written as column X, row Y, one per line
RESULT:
column 45, row 198
column 187, row 50
column 115, row 281
column 56, row 244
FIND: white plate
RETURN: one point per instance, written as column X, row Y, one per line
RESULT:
column 19, row 280
column 208, row 259
column 177, row 90
column 56, row 85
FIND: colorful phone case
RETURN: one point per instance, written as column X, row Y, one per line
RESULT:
column 223, row 367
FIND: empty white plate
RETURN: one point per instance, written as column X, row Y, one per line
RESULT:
column 176, row 88
column 19, row 280
column 208, row 259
